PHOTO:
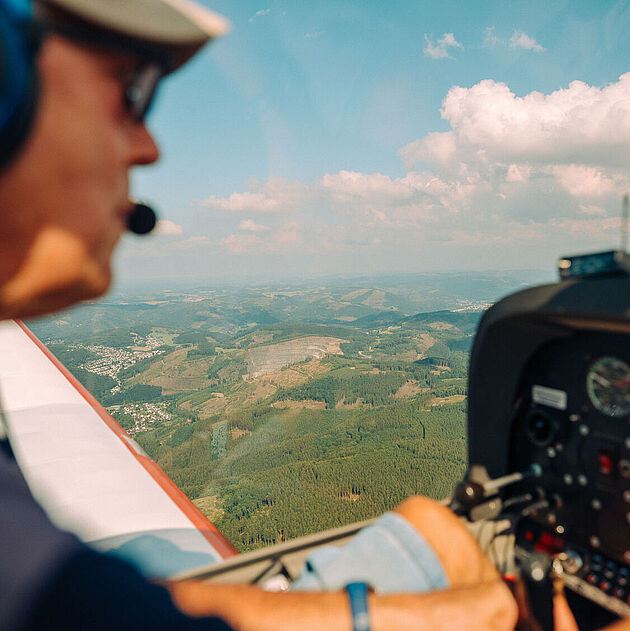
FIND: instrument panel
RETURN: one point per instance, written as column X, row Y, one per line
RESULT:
column 572, row 418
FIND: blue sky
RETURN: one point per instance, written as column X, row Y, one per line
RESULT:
column 358, row 137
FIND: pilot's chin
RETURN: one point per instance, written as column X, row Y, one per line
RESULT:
column 98, row 282
column 93, row 284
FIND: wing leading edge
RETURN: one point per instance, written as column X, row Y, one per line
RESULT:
column 87, row 473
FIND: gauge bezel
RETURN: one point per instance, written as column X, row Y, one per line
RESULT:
column 594, row 397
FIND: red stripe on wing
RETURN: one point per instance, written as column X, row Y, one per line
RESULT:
column 211, row 533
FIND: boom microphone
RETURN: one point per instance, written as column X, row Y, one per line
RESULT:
column 141, row 219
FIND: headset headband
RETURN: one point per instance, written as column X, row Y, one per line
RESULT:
column 18, row 79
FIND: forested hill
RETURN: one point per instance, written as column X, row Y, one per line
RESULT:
column 282, row 412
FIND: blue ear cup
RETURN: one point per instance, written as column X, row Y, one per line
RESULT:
column 18, row 80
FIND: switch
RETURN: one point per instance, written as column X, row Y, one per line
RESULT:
column 605, row 462
column 596, row 562
column 605, row 586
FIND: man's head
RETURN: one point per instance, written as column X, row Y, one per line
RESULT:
column 64, row 196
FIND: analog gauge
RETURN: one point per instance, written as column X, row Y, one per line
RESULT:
column 608, row 386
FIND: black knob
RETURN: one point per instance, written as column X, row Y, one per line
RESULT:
column 540, row 428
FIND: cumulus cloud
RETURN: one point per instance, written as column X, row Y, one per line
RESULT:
column 490, row 38
column 282, row 239
column 580, row 124
column 599, row 229
column 510, row 170
column 583, row 181
column 274, row 196
column 518, row 173
column 419, row 196
column 167, row 227
column 436, row 148
column 250, row 226
column 520, row 39
column 440, row 50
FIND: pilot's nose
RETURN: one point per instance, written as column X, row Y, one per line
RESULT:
column 143, row 147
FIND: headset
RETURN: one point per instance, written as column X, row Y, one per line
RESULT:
column 18, row 79
column 20, row 41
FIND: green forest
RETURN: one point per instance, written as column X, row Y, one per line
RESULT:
column 298, row 473
column 285, row 441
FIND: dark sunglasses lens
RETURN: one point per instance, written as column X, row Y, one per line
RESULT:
column 141, row 91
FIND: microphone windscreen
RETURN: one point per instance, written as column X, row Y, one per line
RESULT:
column 142, row 219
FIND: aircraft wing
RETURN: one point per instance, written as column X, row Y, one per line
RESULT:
column 88, row 474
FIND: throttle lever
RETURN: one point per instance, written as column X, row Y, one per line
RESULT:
column 478, row 488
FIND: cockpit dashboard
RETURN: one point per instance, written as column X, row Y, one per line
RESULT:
column 549, row 392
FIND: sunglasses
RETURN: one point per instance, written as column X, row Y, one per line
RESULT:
column 140, row 90
column 140, row 86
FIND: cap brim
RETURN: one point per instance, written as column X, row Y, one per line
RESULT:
column 180, row 26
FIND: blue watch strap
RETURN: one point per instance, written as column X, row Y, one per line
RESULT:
column 357, row 593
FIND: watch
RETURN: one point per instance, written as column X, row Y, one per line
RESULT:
column 357, row 593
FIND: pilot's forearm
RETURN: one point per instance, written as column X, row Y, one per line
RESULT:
column 487, row 607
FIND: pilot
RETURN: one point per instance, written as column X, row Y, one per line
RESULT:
column 76, row 82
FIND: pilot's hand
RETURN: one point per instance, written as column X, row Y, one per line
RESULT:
column 564, row 620
column 464, row 562
column 478, row 599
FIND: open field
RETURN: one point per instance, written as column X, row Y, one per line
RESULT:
column 175, row 373
column 263, row 360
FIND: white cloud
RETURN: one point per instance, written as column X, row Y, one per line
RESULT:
column 490, row 39
column 347, row 186
column 377, row 199
column 251, row 226
column 440, row 50
column 285, row 237
column 259, row 14
column 243, row 202
column 520, row 39
column 437, row 147
column 583, row 181
column 531, row 169
column 314, row 34
column 518, row 173
column 579, row 124
column 599, row 229
column 274, row 196
column 167, row 227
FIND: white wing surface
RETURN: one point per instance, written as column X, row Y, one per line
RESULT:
column 88, row 474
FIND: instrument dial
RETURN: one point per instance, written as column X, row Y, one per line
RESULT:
column 608, row 386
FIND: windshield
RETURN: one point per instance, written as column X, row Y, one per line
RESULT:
column 345, row 188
